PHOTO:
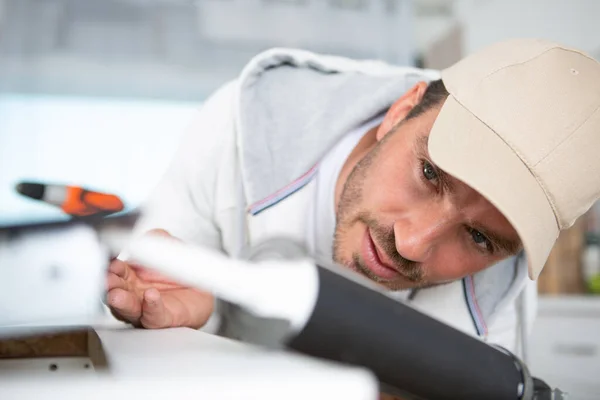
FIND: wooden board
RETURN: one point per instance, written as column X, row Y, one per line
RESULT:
column 80, row 342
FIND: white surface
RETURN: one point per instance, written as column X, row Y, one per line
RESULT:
column 257, row 289
column 51, row 277
column 183, row 363
column 564, row 347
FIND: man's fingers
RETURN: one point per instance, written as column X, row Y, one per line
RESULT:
column 158, row 279
column 124, row 304
column 113, row 281
column 189, row 307
column 154, row 313
column 119, row 268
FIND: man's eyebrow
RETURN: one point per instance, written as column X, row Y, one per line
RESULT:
column 508, row 245
column 422, row 150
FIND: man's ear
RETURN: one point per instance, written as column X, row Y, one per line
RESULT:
column 401, row 108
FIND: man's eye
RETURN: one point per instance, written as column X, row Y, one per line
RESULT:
column 480, row 240
column 429, row 171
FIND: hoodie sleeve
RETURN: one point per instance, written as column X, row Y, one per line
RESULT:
column 183, row 202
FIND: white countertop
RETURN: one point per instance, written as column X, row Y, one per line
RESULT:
column 184, row 363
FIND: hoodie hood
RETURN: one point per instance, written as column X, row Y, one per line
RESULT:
column 295, row 105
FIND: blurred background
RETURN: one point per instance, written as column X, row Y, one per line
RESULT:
column 98, row 93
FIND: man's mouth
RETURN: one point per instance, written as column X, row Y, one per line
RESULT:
column 373, row 261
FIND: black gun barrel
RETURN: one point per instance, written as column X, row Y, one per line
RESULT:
column 406, row 349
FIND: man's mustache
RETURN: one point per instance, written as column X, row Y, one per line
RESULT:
column 385, row 238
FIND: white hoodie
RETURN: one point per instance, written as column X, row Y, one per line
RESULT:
column 244, row 170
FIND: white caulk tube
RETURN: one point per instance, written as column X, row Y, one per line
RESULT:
column 269, row 289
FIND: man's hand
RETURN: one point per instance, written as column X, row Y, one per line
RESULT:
column 147, row 299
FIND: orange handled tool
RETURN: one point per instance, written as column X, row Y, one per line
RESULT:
column 73, row 200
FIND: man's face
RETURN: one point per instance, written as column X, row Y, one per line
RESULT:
column 403, row 222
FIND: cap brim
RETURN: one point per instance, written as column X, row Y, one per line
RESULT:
column 466, row 148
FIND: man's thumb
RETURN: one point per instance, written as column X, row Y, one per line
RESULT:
column 154, row 313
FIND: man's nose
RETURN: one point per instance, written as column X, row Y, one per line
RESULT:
column 419, row 233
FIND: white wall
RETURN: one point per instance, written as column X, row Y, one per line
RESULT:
column 2, row 11
column 120, row 147
column 572, row 22
column 430, row 29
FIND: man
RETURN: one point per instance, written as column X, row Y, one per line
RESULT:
column 429, row 187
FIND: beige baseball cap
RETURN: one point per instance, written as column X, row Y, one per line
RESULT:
column 522, row 127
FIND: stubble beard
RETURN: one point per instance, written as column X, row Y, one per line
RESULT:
column 348, row 213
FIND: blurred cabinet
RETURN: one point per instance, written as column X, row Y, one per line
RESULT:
column 562, row 273
column 360, row 28
column 573, row 266
column 182, row 49
column 564, row 347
